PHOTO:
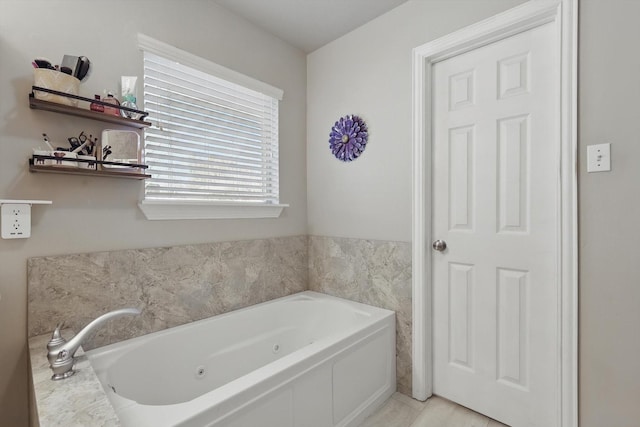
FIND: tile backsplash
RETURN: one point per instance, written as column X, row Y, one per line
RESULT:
column 177, row 285
column 372, row 272
column 172, row 286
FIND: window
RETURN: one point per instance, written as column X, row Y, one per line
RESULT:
column 213, row 148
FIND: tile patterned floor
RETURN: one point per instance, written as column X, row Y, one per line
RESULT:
column 403, row 411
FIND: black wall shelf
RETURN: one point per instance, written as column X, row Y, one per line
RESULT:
column 39, row 104
column 109, row 173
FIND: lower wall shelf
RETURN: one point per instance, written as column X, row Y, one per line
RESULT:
column 88, row 172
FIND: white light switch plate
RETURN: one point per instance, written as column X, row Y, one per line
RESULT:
column 599, row 158
column 15, row 220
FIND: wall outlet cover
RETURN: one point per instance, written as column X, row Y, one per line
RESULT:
column 15, row 219
column 599, row 158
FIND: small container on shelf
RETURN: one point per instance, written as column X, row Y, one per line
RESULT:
column 95, row 106
column 89, row 164
column 55, row 80
column 61, row 159
column 111, row 100
column 120, row 146
column 40, row 157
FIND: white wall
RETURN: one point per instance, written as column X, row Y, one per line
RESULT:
column 609, row 89
column 368, row 73
column 94, row 214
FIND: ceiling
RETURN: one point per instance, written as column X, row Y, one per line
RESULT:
column 309, row 24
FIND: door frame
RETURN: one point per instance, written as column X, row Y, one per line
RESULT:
column 521, row 18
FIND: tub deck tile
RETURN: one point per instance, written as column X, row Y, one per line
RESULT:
column 78, row 401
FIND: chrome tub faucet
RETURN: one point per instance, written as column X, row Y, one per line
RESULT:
column 60, row 352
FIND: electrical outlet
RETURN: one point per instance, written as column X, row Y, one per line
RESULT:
column 16, row 220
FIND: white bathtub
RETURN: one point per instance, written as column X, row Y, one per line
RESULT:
column 306, row 360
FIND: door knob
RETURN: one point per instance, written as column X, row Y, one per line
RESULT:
column 439, row 245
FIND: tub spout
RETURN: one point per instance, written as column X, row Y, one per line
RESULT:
column 60, row 352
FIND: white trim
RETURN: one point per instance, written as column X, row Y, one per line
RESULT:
column 421, row 262
column 524, row 17
column 517, row 20
column 173, row 53
column 25, row 202
column 569, row 182
column 158, row 210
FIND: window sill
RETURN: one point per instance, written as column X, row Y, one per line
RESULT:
column 158, row 210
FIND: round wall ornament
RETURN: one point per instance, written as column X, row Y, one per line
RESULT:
column 348, row 138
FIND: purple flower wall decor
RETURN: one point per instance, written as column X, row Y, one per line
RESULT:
column 348, row 138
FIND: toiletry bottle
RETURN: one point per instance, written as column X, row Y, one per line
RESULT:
column 129, row 102
column 111, row 100
column 97, row 107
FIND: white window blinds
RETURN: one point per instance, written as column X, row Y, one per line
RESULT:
column 212, row 140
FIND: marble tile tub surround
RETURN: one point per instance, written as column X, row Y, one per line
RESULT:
column 372, row 272
column 178, row 285
column 172, row 286
column 78, row 401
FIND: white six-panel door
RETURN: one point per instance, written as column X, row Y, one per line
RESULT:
column 496, row 199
